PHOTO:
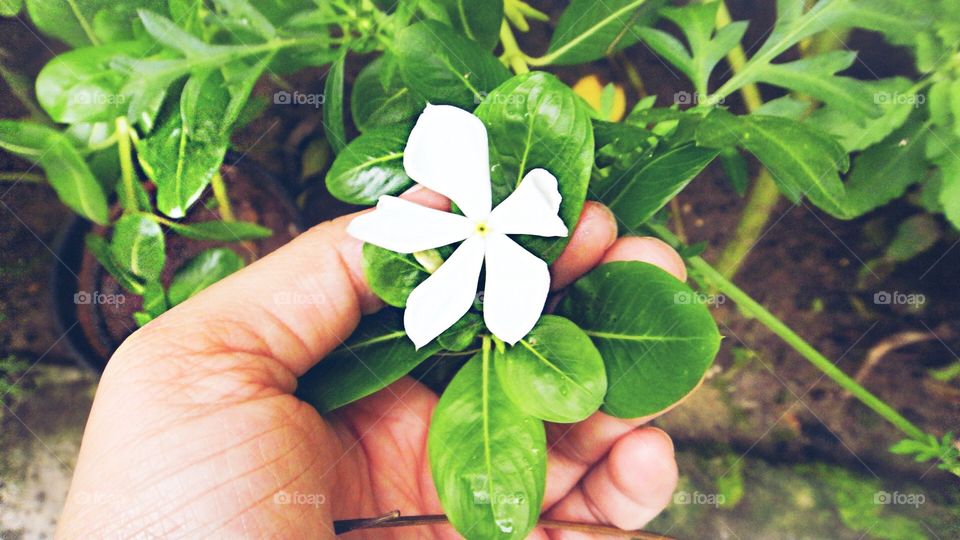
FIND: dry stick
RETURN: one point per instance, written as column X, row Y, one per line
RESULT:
column 394, row 519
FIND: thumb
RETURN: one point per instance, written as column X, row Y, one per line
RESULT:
column 292, row 307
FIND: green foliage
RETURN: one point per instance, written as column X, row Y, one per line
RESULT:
column 391, row 276
column 652, row 330
column 588, row 30
column 445, row 67
column 203, row 270
column 138, row 246
column 488, row 458
column 370, row 166
column 62, row 163
column 479, row 21
column 555, row 373
column 380, row 98
column 536, row 121
column 333, row 123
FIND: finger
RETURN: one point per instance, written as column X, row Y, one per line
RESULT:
column 627, row 489
column 649, row 250
column 592, row 237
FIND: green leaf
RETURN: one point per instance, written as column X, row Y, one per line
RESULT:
column 802, row 160
column 588, row 30
column 487, row 457
column 376, row 355
column 154, row 302
column 221, row 231
column 187, row 148
column 392, row 276
column 168, row 34
column 444, row 67
column 65, row 169
column 949, row 165
column 707, row 49
column 333, row 123
column 10, row 8
column 462, row 334
column 636, row 194
column 73, row 21
column 370, row 166
column 248, row 17
column 884, row 171
column 138, row 246
column 203, row 270
column 100, row 249
column 479, row 21
column 555, row 373
column 655, row 334
column 816, row 77
column 380, row 97
column 535, row 121
column 79, row 86
column 892, row 96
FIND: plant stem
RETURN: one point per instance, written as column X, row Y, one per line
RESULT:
column 511, row 50
column 764, row 195
column 708, row 277
column 223, row 200
column 127, row 172
column 763, row 198
column 32, row 178
column 394, row 519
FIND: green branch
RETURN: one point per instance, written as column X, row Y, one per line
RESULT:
column 708, row 277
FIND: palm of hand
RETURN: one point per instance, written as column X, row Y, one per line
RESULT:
column 195, row 431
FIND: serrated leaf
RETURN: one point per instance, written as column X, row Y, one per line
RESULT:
column 893, row 98
column 588, row 30
column 376, row 355
column 203, row 270
column 65, row 169
column 487, row 457
column 138, row 246
column 816, row 77
column 370, row 166
column 655, row 335
column 706, row 46
column 636, row 194
column 802, row 161
column 444, row 67
column 534, row 120
column 555, row 373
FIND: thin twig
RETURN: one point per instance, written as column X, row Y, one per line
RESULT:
column 394, row 519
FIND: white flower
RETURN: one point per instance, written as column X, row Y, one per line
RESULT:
column 447, row 152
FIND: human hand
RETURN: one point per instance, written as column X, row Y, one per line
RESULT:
column 195, row 430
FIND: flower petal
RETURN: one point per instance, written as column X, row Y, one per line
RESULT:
column 447, row 152
column 515, row 290
column 402, row 226
column 532, row 208
column 440, row 301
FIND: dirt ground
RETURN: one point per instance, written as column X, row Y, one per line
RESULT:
column 765, row 419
